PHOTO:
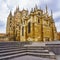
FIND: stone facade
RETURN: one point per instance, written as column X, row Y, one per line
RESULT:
column 58, row 34
column 34, row 26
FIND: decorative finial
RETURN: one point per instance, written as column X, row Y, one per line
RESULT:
column 31, row 9
column 17, row 8
column 36, row 6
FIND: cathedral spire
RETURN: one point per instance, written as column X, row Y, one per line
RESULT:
column 31, row 9
column 17, row 8
column 51, row 13
column 35, row 8
column 46, row 10
column 10, row 14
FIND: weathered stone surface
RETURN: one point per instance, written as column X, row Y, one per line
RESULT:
column 34, row 26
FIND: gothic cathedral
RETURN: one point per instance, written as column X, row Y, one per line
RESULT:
column 35, row 26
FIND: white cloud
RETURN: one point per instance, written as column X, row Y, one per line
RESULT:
column 26, row 3
column 3, row 30
column 3, row 11
column 56, row 14
column 58, row 26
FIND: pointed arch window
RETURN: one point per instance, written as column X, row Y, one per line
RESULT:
column 16, row 33
column 29, row 27
column 38, row 21
column 22, row 31
column 38, row 13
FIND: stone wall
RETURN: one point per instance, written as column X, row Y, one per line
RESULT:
column 55, row 47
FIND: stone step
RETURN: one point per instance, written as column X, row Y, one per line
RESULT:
column 44, row 55
column 12, row 56
column 38, row 51
column 21, row 53
column 10, row 50
column 20, row 46
column 14, row 49
column 11, row 53
column 13, row 43
column 10, row 46
column 35, row 46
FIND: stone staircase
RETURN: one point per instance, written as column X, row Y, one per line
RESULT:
column 10, row 50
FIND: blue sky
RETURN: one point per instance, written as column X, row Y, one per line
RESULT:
column 7, row 5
